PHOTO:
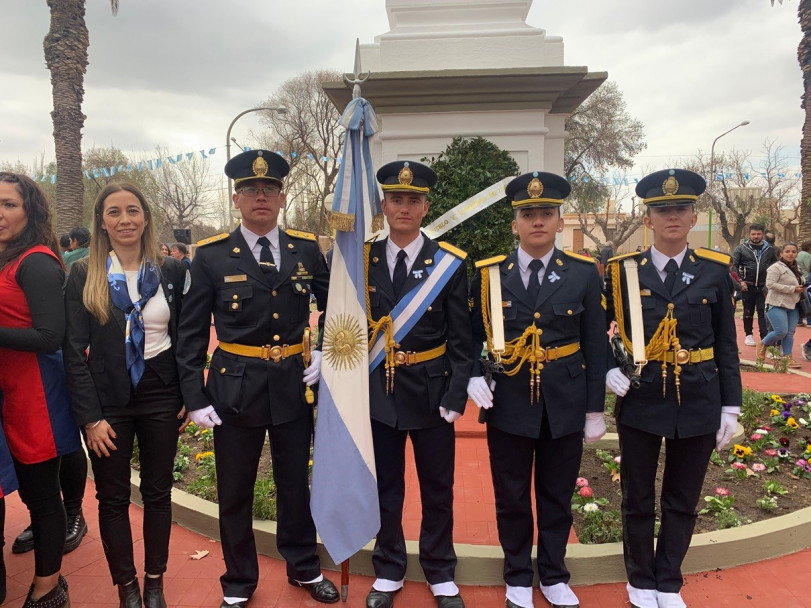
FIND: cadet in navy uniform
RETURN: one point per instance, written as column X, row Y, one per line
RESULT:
column 257, row 283
column 690, row 391
column 551, row 391
column 418, row 389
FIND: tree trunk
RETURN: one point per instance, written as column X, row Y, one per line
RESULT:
column 804, row 57
column 65, row 48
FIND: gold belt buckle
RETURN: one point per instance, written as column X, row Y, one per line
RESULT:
column 402, row 357
column 542, row 355
column 682, row 356
column 272, row 352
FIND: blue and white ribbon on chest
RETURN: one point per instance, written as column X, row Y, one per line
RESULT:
column 413, row 305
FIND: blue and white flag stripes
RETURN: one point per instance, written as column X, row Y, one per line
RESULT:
column 344, row 487
column 413, row 305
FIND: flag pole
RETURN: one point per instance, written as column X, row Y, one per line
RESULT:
column 344, row 579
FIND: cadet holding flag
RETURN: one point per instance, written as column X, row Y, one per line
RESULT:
column 257, row 283
column 419, row 364
column 673, row 314
column 539, row 312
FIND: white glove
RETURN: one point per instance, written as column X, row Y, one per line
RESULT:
column 313, row 373
column 729, row 424
column 595, row 427
column 481, row 394
column 617, row 382
column 449, row 415
column 205, row 417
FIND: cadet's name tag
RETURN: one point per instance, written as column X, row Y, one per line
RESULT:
column 372, row 289
column 644, row 292
column 506, row 303
column 235, row 278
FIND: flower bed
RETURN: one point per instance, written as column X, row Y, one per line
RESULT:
column 768, row 473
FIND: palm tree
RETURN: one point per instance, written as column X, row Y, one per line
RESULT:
column 804, row 58
column 65, row 49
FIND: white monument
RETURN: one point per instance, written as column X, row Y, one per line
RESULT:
column 472, row 68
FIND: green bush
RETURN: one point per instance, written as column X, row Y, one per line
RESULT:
column 601, row 527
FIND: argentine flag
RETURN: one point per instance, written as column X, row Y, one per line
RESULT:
column 344, row 488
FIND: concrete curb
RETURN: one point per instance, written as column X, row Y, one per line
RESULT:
column 483, row 564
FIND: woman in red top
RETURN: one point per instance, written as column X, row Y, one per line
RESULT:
column 36, row 414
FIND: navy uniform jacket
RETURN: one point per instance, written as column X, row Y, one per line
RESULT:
column 705, row 317
column 568, row 309
column 250, row 310
column 420, row 389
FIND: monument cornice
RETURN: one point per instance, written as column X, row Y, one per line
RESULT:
column 558, row 90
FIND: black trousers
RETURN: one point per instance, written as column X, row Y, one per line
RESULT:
column 434, row 457
column 557, row 463
column 237, row 452
column 39, row 490
column 754, row 300
column 72, row 480
column 151, row 417
column 685, row 466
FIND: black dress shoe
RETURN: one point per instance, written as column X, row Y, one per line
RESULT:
column 24, row 542
column 323, row 591
column 129, row 595
column 565, row 605
column 153, row 592
column 77, row 528
column 380, row 599
column 510, row 604
column 450, row 601
column 234, row 605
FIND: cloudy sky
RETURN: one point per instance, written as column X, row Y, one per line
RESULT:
column 173, row 74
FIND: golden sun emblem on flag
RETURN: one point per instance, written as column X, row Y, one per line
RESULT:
column 343, row 342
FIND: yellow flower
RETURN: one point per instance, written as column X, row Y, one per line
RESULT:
column 792, row 423
column 206, row 432
column 777, row 399
column 200, row 455
column 774, row 413
column 740, row 451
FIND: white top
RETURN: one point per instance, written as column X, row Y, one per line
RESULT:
column 659, row 260
column 412, row 251
column 256, row 248
column 156, row 317
column 523, row 265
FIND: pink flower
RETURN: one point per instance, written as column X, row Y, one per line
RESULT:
column 758, row 467
column 739, row 466
column 617, row 459
column 771, row 453
column 766, row 428
column 756, row 436
column 801, row 463
column 719, row 491
column 582, row 482
column 586, row 492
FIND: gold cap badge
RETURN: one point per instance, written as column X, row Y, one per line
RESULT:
column 260, row 166
column 670, row 186
column 405, row 177
column 535, row 188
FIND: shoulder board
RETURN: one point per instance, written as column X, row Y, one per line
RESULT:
column 300, row 234
column 213, row 239
column 490, row 261
column 582, row 258
column 453, row 250
column 616, row 258
column 713, row 256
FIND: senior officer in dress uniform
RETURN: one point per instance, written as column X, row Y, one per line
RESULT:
column 690, row 389
column 418, row 387
column 257, row 283
column 550, row 389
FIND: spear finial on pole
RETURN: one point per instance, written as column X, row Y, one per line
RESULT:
column 357, row 80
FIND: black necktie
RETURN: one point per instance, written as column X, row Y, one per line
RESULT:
column 534, row 285
column 671, row 268
column 266, row 262
column 399, row 278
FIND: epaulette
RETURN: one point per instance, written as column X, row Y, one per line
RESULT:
column 213, row 239
column 300, row 234
column 490, row 261
column 582, row 258
column 453, row 250
column 623, row 256
column 713, row 256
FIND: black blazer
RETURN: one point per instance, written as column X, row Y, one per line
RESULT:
column 568, row 309
column 99, row 379
column 420, row 389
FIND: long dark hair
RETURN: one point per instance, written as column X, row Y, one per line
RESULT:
column 792, row 266
column 39, row 229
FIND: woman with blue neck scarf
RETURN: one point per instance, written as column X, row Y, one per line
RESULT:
column 123, row 303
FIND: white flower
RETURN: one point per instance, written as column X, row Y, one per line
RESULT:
column 803, row 421
column 590, row 507
column 763, row 432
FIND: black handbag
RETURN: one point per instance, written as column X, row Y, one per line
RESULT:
column 804, row 305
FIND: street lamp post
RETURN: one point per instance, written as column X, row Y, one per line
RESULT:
column 228, row 148
column 712, row 178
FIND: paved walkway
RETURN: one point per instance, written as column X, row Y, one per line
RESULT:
column 192, row 582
